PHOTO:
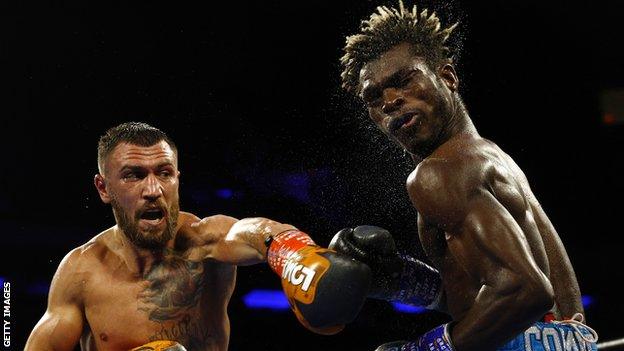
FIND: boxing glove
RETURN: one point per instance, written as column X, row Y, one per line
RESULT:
column 396, row 277
column 325, row 289
column 160, row 345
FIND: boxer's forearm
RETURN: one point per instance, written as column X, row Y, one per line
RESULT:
column 414, row 283
column 396, row 277
column 498, row 315
column 245, row 241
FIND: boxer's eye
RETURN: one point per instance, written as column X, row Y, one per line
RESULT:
column 372, row 98
column 129, row 176
column 406, row 78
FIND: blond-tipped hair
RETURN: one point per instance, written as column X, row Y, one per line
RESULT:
column 388, row 27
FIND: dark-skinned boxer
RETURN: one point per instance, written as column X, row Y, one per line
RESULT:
column 507, row 281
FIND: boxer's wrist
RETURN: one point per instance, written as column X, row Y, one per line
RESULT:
column 324, row 289
column 282, row 245
column 437, row 339
column 414, row 283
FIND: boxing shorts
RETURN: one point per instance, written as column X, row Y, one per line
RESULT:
column 568, row 335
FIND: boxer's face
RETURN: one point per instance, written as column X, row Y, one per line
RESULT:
column 407, row 100
column 141, row 183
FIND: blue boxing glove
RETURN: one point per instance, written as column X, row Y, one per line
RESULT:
column 437, row 339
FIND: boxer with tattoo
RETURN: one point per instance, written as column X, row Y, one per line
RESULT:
column 161, row 279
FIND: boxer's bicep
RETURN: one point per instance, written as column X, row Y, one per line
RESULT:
column 514, row 292
column 212, row 232
column 491, row 245
column 61, row 326
column 59, row 329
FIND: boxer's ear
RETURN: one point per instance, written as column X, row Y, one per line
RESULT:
column 449, row 76
column 100, row 185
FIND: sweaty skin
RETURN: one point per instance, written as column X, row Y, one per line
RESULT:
column 110, row 294
column 502, row 263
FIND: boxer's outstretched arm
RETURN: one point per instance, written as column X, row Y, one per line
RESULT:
column 240, row 242
column 61, row 326
column 487, row 241
column 325, row 289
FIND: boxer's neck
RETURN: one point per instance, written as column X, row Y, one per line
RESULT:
column 140, row 260
column 460, row 125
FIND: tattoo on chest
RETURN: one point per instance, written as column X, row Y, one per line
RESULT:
column 174, row 287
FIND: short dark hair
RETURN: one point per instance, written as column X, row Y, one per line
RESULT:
column 387, row 28
column 136, row 133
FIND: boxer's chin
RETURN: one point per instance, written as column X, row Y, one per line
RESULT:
column 146, row 234
column 154, row 234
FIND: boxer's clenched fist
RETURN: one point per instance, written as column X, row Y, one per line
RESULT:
column 396, row 277
column 325, row 289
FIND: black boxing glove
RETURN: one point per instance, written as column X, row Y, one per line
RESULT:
column 325, row 289
column 396, row 277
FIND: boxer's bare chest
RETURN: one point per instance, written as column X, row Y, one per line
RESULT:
column 173, row 300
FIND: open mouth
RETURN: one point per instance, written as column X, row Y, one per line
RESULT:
column 402, row 121
column 155, row 214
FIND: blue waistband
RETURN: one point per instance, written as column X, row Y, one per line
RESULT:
column 559, row 336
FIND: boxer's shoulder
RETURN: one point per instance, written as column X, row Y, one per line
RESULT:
column 441, row 180
column 458, row 165
column 443, row 184
column 76, row 269
column 92, row 258
column 92, row 250
column 98, row 248
column 475, row 167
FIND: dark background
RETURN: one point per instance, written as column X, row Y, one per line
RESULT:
column 250, row 93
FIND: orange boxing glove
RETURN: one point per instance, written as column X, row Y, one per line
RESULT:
column 160, row 345
column 325, row 289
